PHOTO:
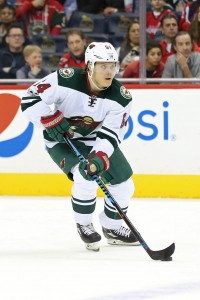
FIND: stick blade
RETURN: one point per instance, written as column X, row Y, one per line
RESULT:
column 162, row 254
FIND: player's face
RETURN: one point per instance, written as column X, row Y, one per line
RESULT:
column 103, row 74
column 76, row 44
column 183, row 45
column 154, row 57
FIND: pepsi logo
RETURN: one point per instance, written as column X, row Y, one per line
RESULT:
column 9, row 106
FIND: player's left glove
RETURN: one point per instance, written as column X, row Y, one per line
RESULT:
column 98, row 163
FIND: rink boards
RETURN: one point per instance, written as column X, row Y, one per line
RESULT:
column 162, row 144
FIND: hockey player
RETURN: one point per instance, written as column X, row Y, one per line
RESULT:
column 92, row 108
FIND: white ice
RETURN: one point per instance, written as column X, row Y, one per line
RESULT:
column 43, row 258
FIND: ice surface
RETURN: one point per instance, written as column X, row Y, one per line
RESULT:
column 43, row 258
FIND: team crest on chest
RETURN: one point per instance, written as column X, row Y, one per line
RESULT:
column 125, row 93
column 66, row 73
column 87, row 120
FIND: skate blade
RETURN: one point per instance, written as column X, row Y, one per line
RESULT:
column 93, row 246
column 120, row 243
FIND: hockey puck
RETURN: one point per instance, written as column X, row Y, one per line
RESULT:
column 167, row 259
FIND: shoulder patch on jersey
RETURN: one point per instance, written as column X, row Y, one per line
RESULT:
column 125, row 93
column 66, row 73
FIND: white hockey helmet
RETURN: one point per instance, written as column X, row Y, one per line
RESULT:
column 101, row 52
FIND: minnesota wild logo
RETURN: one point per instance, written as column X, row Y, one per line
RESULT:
column 83, row 125
column 125, row 93
column 66, row 73
column 88, row 120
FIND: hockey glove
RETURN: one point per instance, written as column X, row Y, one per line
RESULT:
column 98, row 163
column 56, row 126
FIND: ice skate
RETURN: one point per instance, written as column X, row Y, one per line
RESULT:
column 90, row 237
column 121, row 236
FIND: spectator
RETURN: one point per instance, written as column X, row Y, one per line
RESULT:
column 100, row 6
column 41, row 16
column 70, row 6
column 188, row 14
column 91, row 6
column 2, row 3
column 76, row 43
column 130, row 48
column 174, row 5
column 154, row 66
column 136, row 7
column 169, row 25
column 9, row 2
column 107, row 7
column 113, row 6
column 33, row 68
column 171, row 4
column 11, row 57
column 185, row 63
column 194, row 28
column 180, row 7
column 153, row 18
column 7, row 16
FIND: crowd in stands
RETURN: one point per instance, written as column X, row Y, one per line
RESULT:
column 129, row 50
column 154, row 66
column 40, row 36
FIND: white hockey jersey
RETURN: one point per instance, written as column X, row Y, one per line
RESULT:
column 98, row 120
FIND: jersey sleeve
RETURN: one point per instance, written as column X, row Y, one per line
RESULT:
column 40, row 99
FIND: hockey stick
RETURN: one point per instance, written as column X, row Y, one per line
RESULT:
column 164, row 254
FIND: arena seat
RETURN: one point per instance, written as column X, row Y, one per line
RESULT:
column 116, row 39
column 51, row 61
column 96, row 37
column 87, row 22
column 51, row 43
column 119, row 22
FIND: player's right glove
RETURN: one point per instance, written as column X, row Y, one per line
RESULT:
column 56, row 126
